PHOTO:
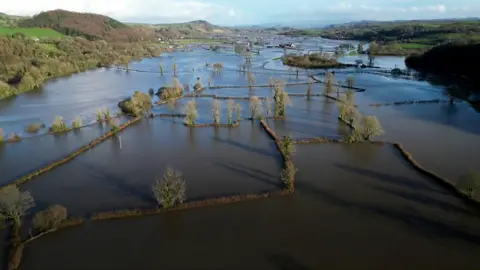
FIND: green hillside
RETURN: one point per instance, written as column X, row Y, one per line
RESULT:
column 31, row 32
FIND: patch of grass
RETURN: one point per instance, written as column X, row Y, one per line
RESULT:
column 33, row 128
column 58, row 125
column 31, row 32
column 407, row 46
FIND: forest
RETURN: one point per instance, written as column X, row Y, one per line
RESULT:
column 26, row 63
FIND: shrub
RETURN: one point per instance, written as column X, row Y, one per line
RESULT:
column 33, row 128
column 58, row 125
column 470, row 183
column 251, row 79
column 216, row 111
column 255, row 107
column 171, row 92
column 288, row 147
column 13, row 137
column 100, row 115
column 138, row 104
column 354, row 137
column 151, row 92
column 106, row 114
column 230, row 111
column 288, row 175
column 369, row 127
column 77, row 123
column 348, row 113
column 268, row 106
column 170, row 190
column 198, row 85
column 113, row 125
column 50, row 218
column 191, row 112
column 14, row 204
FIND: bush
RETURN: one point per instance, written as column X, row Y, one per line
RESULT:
column 13, row 137
column 151, row 92
column 77, row 123
column 170, row 190
column 217, row 67
column 14, row 204
column 350, row 97
column 33, row 128
column 238, row 111
column 348, row 113
column 137, row 105
column 58, row 125
column 100, row 115
column 50, row 218
column 470, row 183
column 113, row 125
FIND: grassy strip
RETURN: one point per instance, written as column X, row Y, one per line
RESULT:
column 258, row 85
column 169, row 115
column 317, row 140
column 71, row 156
column 269, row 131
column 445, row 182
column 189, row 205
column 317, row 80
column 409, row 102
column 235, row 124
column 18, row 139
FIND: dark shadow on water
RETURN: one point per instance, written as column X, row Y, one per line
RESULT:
column 391, row 179
column 421, row 225
column 285, row 262
column 247, row 147
column 120, row 183
column 417, row 198
column 251, row 172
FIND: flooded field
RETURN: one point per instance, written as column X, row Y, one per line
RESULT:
column 355, row 206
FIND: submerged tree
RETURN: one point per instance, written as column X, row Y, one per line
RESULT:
column 50, row 218
column 348, row 113
column 2, row 135
column 14, row 204
column 137, row 105
column 238, row 111
column 368, row 127
column 198, row 85
column 470, row 184
column 175, row 69
column 280, row 97
column 230, row 111
column 58, row 125
column 77, row 123
column 350, row 81
column 251, row 80
column 255, row 107
column 268, row 106
column 309, row 90
column 216, row 111
column 350, row 97
column 161, row 69
column 191, row 113
column 288, row 175
column 170, row 190
column 217, row 67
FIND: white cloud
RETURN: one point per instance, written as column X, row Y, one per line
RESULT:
column 165, row 10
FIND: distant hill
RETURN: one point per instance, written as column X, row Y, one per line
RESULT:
column 89, row 25
column 7, row 20
column 193, row 29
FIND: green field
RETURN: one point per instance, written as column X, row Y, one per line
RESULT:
column 31, row 32
column 412, row 46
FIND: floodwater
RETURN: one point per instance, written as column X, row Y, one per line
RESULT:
column 356, row 206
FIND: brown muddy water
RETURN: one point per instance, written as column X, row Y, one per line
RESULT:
column 355, row 207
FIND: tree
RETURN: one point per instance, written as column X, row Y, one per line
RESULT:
column 279, row 98
column 14, row 204
column 238, row 111
column 255, row 107
column 216, row 111
column 369, row 127
column 288, row 147
column 470, row 183
column 309, row 90
column 191, row 112
column 360, row 48
column 171, row 189
column 50, row 218
column 230, row 111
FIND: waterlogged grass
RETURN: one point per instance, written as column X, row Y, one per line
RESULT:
column 412, row 46
column 31, row 32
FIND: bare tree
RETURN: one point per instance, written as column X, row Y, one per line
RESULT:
column 255, row 107
column 230, row 111
column 50, row 218
column 191, row 112
column 216, row 111
column 369, row 127
column 14, row 204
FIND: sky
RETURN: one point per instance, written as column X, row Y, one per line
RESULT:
column 249, row 12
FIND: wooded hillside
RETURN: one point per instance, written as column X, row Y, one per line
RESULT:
column 88, row 25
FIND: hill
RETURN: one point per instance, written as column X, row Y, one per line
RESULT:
column 193, row 29
column 9, row 20
column 89, row 25
column 427, row 32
